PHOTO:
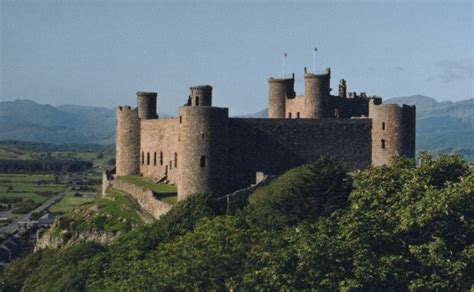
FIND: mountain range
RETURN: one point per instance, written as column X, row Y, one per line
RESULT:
column 441, row 126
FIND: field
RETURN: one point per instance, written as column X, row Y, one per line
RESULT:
column 20, row 193
column 69, row 202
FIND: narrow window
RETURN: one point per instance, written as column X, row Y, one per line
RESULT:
column 383, row 126
column 148, row 158
column 161, row 158
column 154, row 158
column 382, row 143
column 289, row 115
column 203, row 161
column 171, row 165
column 297, row 115
column 166, row 170
column 180, row 119
column 197, row 100
column 143, row 158
column 175, row 159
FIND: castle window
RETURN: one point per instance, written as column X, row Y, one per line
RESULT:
column 383, row 126
column 148, row 158
column 203, row 161
column 197, row 100
column 298, row 115
column 161, row 158
column 154, row 158
column 143, row 158
column 289, row 115
column 382, row 144
column 180, row 119
column 166, row 170
column 175, row 159
column 171, row 165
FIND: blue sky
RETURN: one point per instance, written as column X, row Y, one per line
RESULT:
column 101, row 52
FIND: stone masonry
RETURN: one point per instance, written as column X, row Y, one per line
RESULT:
column 205, row 150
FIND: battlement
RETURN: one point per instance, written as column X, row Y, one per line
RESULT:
column 124, row 108
column 201, row 95
column 148, row 94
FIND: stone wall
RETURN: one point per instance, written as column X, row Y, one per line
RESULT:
column 144, row 197
column 276, row 145
column 159, row 143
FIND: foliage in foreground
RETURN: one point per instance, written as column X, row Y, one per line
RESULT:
column 402, row 227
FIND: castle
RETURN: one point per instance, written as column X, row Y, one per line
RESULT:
column 205, row 150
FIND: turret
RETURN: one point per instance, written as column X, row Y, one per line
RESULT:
column 342, row 88
column 201, row 95
column 146, row 104
column 278, row 91
column 316, row 91
column 127, row 141
column 393, row 131
column 203, row 147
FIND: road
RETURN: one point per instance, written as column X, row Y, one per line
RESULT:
column 13, row 227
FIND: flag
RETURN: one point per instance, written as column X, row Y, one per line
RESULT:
column 286, row 55
column 315, row 49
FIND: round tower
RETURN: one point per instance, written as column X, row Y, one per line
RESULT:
column 146, row 104
column 201, row 95
column 316, row 90
column 387, row 132
column 202, row 150
column 278, row 91
column 127, row 141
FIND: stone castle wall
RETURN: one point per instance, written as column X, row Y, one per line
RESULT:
column 159, row 147
column 144, row 197
column 276, row 145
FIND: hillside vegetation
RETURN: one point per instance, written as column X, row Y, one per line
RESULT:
column 395, row 228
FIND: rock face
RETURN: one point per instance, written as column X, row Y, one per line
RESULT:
column 66, row 238
column 144, row 197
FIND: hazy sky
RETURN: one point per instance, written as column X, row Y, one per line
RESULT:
column 101, row 52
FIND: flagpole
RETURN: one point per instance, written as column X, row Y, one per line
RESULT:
column 284, row 65
column 314, row 60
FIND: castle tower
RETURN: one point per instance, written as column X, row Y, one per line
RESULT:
column 342, row 88
column 201, row 95
column 146, row 104
column 316, row 91
column 393, row 132
column 127, row 141
column 203, row 147
column 278, row 91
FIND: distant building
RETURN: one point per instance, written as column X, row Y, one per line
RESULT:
column 204, row 150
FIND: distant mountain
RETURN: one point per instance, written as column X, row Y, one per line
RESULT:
column 441, row 126
column 25, row 120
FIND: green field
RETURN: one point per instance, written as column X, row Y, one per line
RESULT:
column 35, row 187
column 68, row 203
column 166, row 193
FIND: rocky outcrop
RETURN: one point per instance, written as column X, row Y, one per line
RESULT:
column 144, row 197
column 67, row 238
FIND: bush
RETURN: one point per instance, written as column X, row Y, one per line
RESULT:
column 302, row 194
